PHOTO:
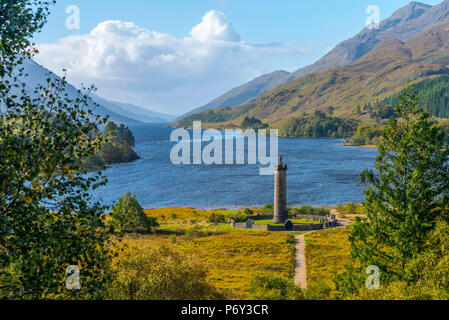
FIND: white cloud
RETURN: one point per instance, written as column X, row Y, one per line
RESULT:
column 132, row 64
column 215, row 26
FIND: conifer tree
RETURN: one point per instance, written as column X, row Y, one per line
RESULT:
column 128, row 216
column 405, row 197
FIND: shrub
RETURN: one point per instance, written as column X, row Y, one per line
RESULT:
column 304, row 209
column 240, row 218
column 309, row 210
column 143, row 272
column 248, row 212
column 341, row 209
column 217, row 218
column 317, row 291
column 272, row 287
column 267, row 209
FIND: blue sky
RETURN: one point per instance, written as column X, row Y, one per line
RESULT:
column 281, row 34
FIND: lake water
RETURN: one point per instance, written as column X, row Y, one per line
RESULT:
column 320, row 172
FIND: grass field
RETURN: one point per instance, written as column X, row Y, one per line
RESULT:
column 232, row 256
column 326, row 253
column 185, row 215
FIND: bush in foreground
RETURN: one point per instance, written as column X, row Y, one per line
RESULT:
column 144, row 272
column 273, row 287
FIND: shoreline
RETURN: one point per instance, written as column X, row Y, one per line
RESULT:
column 368, row 146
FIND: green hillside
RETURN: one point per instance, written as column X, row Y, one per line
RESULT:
column 348, row 91
column 433, row 95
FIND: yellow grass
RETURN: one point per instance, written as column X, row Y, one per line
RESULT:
column 188, row 215
column 231, row 256
column 326, row 254
column 235, row 257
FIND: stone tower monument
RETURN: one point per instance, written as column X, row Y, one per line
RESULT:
column 280, row 192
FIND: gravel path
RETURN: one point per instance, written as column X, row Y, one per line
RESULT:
column 300, row 253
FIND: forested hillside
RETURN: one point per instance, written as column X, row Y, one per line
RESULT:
column 433, row 95
column 318, row 125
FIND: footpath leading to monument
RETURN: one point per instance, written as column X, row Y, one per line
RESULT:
column 300, row 253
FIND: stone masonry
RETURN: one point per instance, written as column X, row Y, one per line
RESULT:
column 280, row 193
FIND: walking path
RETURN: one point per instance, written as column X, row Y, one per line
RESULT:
column 300, row 261
column 300, row 253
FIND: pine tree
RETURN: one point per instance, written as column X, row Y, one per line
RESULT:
column 128, row 216
column 404, row 199
column 110, row 131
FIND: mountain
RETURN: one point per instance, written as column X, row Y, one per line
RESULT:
column 134, row 112
column 149, row 116
column 384, row 71
column 404, row 24
column 38, row 75
column 117, row 111
column 246, row 92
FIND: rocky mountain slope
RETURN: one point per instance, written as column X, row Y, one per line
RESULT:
column 404, row 24
column 245, row 92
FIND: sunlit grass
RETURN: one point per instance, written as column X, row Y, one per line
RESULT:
column 191, row 215
column 327, row 252
column 231, row 256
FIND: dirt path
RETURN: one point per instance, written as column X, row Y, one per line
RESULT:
column 300, row 252
column 300, row 260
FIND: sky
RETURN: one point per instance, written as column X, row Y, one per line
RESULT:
column 172, row 56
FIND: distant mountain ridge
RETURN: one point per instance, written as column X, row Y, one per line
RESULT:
column 404, row 24
column 132, row 111
column 117, row 112
column 246, row 92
